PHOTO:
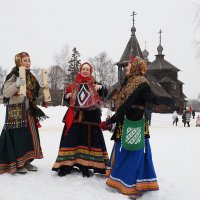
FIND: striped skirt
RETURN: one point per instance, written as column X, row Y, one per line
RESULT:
column 131, row 172
column 83, row 146
column 19, row 145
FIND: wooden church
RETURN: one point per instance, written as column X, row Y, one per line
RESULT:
column 162, row 75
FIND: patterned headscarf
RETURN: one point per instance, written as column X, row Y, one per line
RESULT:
column 18, row 58
column 138, row 66
column 134, row 79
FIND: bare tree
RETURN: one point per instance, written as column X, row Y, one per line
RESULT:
column 3, row 73
column 197, row 28
column 56, row 78
column 104, row 69
column 62, row 58
column 37, row 74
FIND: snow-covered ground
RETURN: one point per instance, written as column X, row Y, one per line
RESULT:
column 176, row 155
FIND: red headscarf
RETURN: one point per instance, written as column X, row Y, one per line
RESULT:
column 82, row 79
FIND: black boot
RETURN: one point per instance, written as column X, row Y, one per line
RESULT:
column 64, row 170
column 85, row 172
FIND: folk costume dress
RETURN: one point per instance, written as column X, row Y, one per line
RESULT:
column 132, row 172
column 19, row 140
column 82, row 143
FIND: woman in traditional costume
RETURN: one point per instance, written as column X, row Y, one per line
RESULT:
column 82, row 143
column 19, row 140
column 132, row 172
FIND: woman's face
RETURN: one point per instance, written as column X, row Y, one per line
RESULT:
column 127, row 69
column 85, row 71
column 26, row 62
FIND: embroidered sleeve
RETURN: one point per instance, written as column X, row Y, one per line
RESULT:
column 68, row 90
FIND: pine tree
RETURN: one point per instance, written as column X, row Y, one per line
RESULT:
column 74, row 65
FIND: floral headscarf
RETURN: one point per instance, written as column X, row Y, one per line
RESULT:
column 18, row 58
column 134, row 79
column 138, row 66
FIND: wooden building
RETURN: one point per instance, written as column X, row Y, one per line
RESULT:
column 162, row 75
column 167, row 76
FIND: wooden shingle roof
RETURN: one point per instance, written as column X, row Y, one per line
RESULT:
column 161, row 63
column 156, row 87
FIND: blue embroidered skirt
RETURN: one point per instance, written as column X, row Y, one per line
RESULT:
column 131, row 172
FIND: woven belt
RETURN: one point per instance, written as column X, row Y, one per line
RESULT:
column 138, row 107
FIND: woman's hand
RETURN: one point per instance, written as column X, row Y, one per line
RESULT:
column 105, row 126
column 97, row 87
column 68, row 95
column 20, row 82
column 45, row 104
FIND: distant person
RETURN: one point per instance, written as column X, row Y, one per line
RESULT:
column 175, row 117
column 186, row 118
column 190, row 110
column 193, row 113
column 198, row 121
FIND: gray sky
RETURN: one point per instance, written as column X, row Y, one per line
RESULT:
column 44, row 27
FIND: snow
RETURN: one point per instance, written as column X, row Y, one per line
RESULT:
column 175, row 151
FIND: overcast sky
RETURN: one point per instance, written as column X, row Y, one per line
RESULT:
column 44, row 27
